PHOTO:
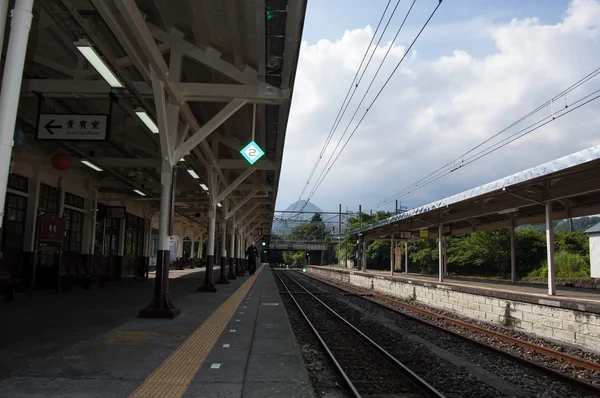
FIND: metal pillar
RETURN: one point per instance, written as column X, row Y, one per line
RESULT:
column 340, row 237
column 441, row 253
column 406, row 257
column 550, row 249
column 232, row 251
column 201, row 246
column 209, row 285
column 364, row 255
column 11, row 88
column 513, row 254
column 392, row 255
column 161, row 305
column 223, row 276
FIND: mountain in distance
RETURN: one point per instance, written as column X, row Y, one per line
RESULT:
column 285, row 222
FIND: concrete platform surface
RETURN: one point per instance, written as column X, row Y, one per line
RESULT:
column 91, row 344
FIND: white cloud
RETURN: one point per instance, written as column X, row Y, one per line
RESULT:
column 433, row 110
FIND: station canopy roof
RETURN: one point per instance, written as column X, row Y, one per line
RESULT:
column 571, row 184
column 218, row 51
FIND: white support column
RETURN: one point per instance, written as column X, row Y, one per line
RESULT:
column 89, row 224
column 513, row 253
column 161, row 305
column 32, row 212
column 232, row 250
column 3, row 14
column 11, row 87
column 223, row 271
column 392, row 255
column 406, row 257
column 201, row 246
column 441, row 253
column 550, row 249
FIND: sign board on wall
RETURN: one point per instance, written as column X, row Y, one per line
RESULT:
column 70, row 127
column 115, row 212
column 51, row 233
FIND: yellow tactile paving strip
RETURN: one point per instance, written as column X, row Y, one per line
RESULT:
column 172, row 378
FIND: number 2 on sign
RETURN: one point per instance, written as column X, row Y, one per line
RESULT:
column 252, row 152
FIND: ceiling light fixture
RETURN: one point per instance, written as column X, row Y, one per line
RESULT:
column 193, row 173
column 143, row 115
column 219, row 204
column 91, row 165
column 203, row 186
column 94, row 59
column 139, row 192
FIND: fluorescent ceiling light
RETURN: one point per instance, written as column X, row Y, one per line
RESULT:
column 508, row 211
column 139, row 192
column 203, row 186
column 182, row 160
column 141, row 113
column 193, row 173
column 91, row 165
column 219, row 204
column 94, row 59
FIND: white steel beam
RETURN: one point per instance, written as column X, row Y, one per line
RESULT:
column 163, row 113
column 235, row 183
column 210, row 126
column 195, row 92
column 240, row 204
column 127, row 162
column 240, row 164
column 209, row 57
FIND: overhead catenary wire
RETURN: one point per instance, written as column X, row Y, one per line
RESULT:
column 325, row 173
column 563, row 93
column 519, row 134
column 353, row 85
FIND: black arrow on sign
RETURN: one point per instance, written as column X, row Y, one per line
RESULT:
column 49, row 126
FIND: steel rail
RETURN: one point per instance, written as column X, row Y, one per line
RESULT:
column 580, row 362
column 325, row 347
column 429, row 389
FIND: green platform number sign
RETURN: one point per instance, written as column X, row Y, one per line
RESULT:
column 252, row 152
column 270, row 14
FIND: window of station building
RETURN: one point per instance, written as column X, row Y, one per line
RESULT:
column 134, row 235
column 18, row 183
column 74, row 231
column 49, row 198
column 14, row 223
column 74, row 200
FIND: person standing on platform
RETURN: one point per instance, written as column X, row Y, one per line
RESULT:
column 252, row 255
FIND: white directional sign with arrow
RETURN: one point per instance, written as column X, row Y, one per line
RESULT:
column 67, row 127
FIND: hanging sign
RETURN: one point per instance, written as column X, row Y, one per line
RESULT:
column 252, row 152
column 424, row 233
column 72, row 127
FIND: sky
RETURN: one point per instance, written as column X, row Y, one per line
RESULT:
column 478, row 67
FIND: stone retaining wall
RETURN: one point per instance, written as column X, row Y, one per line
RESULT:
column 565, row 325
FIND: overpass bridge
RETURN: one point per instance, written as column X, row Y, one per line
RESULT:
column 297, row 245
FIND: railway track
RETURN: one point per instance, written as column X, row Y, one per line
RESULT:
column 366, row 368
column 391, row 304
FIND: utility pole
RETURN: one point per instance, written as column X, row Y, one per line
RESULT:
column 340, row 238
column 360, row 214
column 396, row 206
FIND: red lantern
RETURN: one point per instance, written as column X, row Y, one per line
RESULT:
column 61, row 161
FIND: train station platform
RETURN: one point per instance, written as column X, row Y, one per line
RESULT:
column 232, row 343
column 571, row 316
column 580, row 299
